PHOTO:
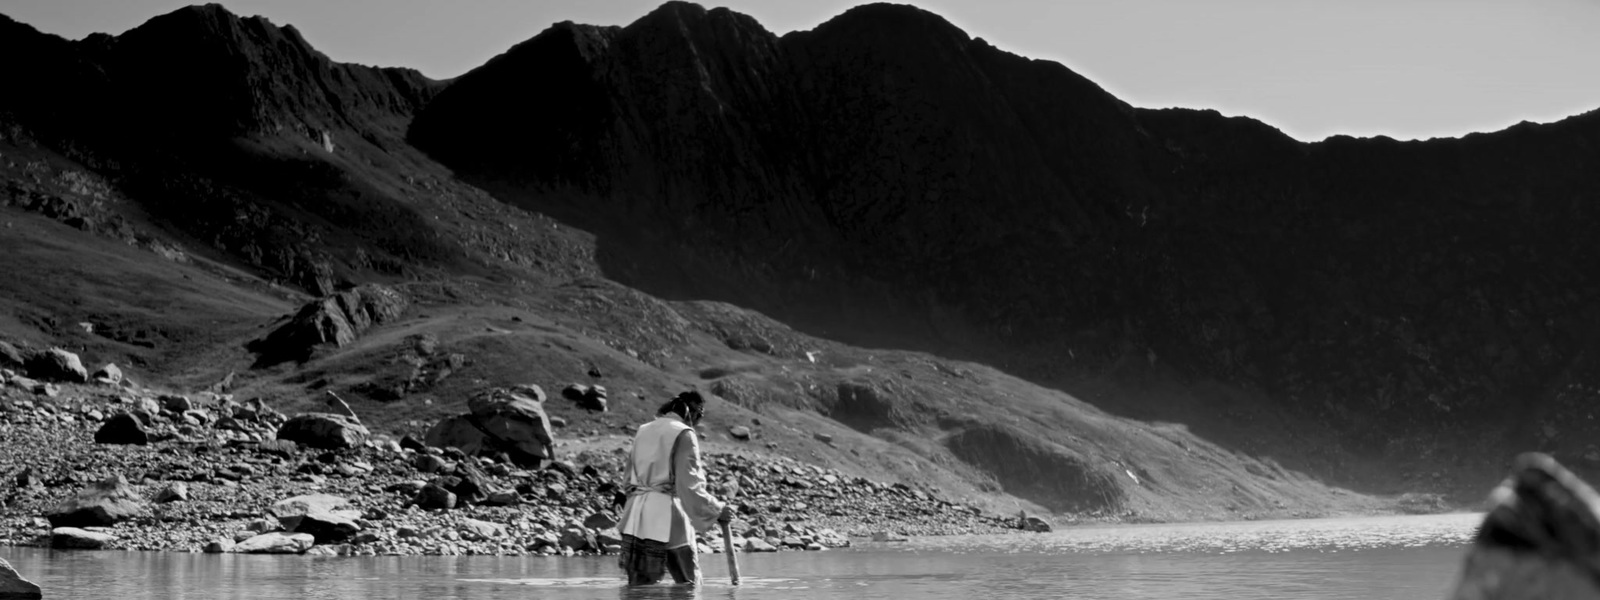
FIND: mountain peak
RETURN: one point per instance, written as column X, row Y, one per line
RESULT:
column 887, row 16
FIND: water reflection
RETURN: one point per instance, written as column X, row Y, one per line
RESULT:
column 1366, row 559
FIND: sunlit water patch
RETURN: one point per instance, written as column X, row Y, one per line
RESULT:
column 1327, row 559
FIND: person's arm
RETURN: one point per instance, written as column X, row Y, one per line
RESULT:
column 690, row 480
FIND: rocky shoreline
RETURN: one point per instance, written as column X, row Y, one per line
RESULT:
column 109, row 465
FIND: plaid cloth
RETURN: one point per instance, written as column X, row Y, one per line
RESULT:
column 645, row 561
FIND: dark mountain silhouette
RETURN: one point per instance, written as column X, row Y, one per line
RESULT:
column 1389, row 316
column 886, row 180
column 176, row 111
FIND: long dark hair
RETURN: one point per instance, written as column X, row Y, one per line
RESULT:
column 683, row 404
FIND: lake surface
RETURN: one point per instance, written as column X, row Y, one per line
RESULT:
column 1366, row 558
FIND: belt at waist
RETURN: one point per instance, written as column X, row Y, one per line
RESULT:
column 662, row 488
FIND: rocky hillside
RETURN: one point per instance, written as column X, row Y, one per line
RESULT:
column 887, row 180
column 885, row 248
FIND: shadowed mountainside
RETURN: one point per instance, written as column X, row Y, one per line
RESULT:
column 886, row 180
column 1171, row 303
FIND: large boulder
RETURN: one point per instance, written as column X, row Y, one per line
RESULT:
column 307, row 503
column 338, row 319
column 588, row 397
column 14, row 587
column 325, row 431
column 509, row 421
column 56, row 364
column 1539, row 538
column 121, row 428
column 100, row 505
column 327, row 527
column 276, row 543
column 1035, row 524
column 434, row 497
column 73, row 538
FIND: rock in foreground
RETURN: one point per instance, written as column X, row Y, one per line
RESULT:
column 14, row 587
column 1540, row 540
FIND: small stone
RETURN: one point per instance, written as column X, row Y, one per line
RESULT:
column 413, row 444
column 175, row 402
column 755, row 544
column 600, row 520
column 284, row 448
column 176, row 491
column 322, row 551
column 428, row 463
column 263, row 526
column 122, row 428
column 502, row 498
column 482, row 529
column 108, row 374
column 739, row 432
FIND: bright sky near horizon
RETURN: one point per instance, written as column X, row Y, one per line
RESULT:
column 1408, row 69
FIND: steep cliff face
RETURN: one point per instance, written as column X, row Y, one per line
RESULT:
column 238, row 135
column 200, row 73
column 886, row 179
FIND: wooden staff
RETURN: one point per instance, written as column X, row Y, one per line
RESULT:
column 727, row 548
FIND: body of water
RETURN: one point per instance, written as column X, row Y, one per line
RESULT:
column 1366, row 558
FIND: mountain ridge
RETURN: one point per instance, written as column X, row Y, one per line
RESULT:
column 1179, row 285
column 919, row 161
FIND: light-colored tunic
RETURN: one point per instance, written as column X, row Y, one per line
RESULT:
column 667, row 497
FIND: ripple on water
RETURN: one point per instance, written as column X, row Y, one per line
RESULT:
column 1317, row 535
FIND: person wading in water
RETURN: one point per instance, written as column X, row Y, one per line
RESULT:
column 667, row 497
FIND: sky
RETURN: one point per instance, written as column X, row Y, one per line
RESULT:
column 1408, row 69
